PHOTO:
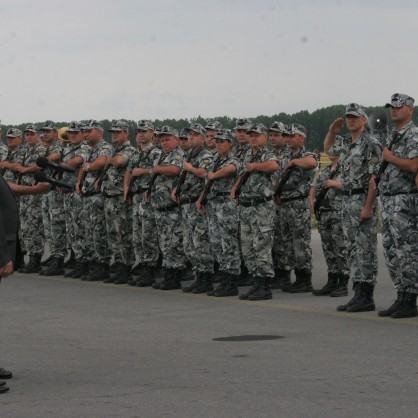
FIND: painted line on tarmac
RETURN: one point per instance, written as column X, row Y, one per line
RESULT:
column 232, row 299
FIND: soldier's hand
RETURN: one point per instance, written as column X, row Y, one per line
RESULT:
column 372, row 183
column 200, row 207
column 210, row 175
column 388, row 155
column 366, row 214
column 336, row 126
column 6, row 270
column 41, row 188
column 250, row 167
column 187, row 166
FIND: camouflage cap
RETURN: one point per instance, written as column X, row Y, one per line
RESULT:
column 144, row 125
column 256, row 127
column 14, row 133
column 183, row 133
column 296, row 129
column 336, row 148
column 92, row 124
column 278, row 127
column 49, row 125
column 74, row 126
column 157, row 130
column 225, row 134
column 168, row 130
column 30, row 128
column 355, row 110
column 213, row 125
column 197, row 127
column 398, row 100
column 119, row 126
column 242, row 123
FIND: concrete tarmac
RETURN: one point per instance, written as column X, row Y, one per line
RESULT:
column 81, row 349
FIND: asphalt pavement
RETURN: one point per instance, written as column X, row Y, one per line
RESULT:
column 89, row 349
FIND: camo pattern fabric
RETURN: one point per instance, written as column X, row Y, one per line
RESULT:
column 239, row 152
column 80, row 150
column 74, row 223
column 31, row 224
column 15, row 156
column 29, row 158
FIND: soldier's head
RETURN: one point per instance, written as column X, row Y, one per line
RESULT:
column 14, row 138
column 169, row 138
column 196, row 134
column 335, row 150
column 119, row 132
column 144, row 132
column 212, row 128
column 31, row 135
column 49, row 132
column 93, row 132
column 277, row 132
column 296, row 135
column 401, row 108
column 75, row 135
column 224, row 141
column 257, row 133
column 241, row 130
column 184, row 140
column 356, row 117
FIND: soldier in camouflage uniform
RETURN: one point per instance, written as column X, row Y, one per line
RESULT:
column 73, row 156
column 195, row 223
column 137, row 179
column 31, row 218
column 257, row 211
column 95, row 261
column 360, row 161
column 243, row 141
column 278, row 141
column 399, row 197
column 222, row 213
column 53, row 215
column 3, row 152
column 293, row 204
column 326, row 203
column 212, row 128
column 167, row 213
column 118, row 212
column 184, row 140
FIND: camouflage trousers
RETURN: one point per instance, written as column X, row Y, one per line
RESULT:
column 94, row 244
column 361, row 240
column 118, row 217
column 74, row 223
column 296, row 233
column 196, row 238
column 400, row 240
column 333, row 243
column 170, row 237
column 53, row 218
column 257, row 234
column 31, row 224
column 223, row 228
column 145, row 237
column 279, row 249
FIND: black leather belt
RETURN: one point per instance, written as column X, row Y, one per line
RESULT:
column 396, row 194
column 109, row 196
column 253, row 202
column 290, row 199
column 353, row 191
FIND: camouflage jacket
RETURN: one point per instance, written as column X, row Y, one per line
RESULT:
column 146, row 158
column 81, row 150
column 299, row 180
column 4, row 151
column 258, row 184
column 223, row 184
column 239, row 152
column 283, row 154
column 112, row 184
column 393, row 180
column 359, row 160
column 193, row 185
column 15, row 156
column 163, row 185
column 101, row 149
column 334, row 197
column 29, row 158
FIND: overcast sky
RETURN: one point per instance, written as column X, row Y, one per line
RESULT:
column 137, row 59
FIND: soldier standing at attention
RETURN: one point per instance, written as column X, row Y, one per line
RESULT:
column 184, row 140
column 212, row 128
column 118, row 213
column 243, row 140
column 257, row 211
column 399, row 197
column 167, row 213
column 360, row 161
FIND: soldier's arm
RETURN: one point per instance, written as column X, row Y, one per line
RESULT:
column 167, row 170
column 403, row 164
column 29, row 169
column 74, row 162
column 333, row 130
column 126, row 182
column 223, row 172
column 305, row 163
column 312, row 190
column 197, row 171
column 367, row 211
column 117, row 161
column 54, row 157
column 96, row 165
column 266, row 166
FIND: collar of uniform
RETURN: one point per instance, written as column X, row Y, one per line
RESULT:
column 409, row 125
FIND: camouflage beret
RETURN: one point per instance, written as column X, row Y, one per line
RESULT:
column 278, row 127
column 168, row 130
column 296, row 129
column 183, row 134
column 144, row 125
column 30, row 128
column 256, row 127
column 213, row 125
column 197, row 127
column 242, row 123
column 14, row 133
column 224, row 134
column 398, row 100
column 119, row 126
column 49, row 125
column 355, row 109
column 75, row 126
column 93, row 124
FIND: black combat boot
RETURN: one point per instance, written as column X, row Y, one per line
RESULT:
column 365, row 300
column 148, row 277
column 341, row 289
column 47, row 261
column 125, row 275
column 84, row 270
column 276, row 282
column 33, row 265
column 228, row 286
column 408, row 309
column 251, row 290
column 171, row 280
column 55, row 267
column 284, row 279
column 114, row 272
column 205, row 285
column 263, row 291
column 329, row 287
column 394, row 307
column 196, row 282
column 357, row 291
column 137, row 269
column 71, row 262
column 244, row 279
column 99, row 273
column 303, row 283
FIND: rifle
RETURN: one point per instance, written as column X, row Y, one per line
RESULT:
column 154, row 177
column 243, row 179
column 193, row 153
column 323, row 192
column 209, row 183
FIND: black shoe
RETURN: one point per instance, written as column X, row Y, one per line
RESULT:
column 329, row 287
column 251, row 290
column 341, row 289
column 408, row 309
column 71, row 263
column 55, row 267
column 5, row 374
column 193, row 285
column 137, row 269
column 303, row 283
column 263, row 291
column 205, row 285
column 147, row 278
column 47, row 261
column 171, row 280
column 357, row 291
column 84, row 270
column 364, row 302
column 33, row 265
column 101, row 272
column 244, row 279
column 124, row 275
column 4, row 389
column 228, row 286
column 394, row 307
